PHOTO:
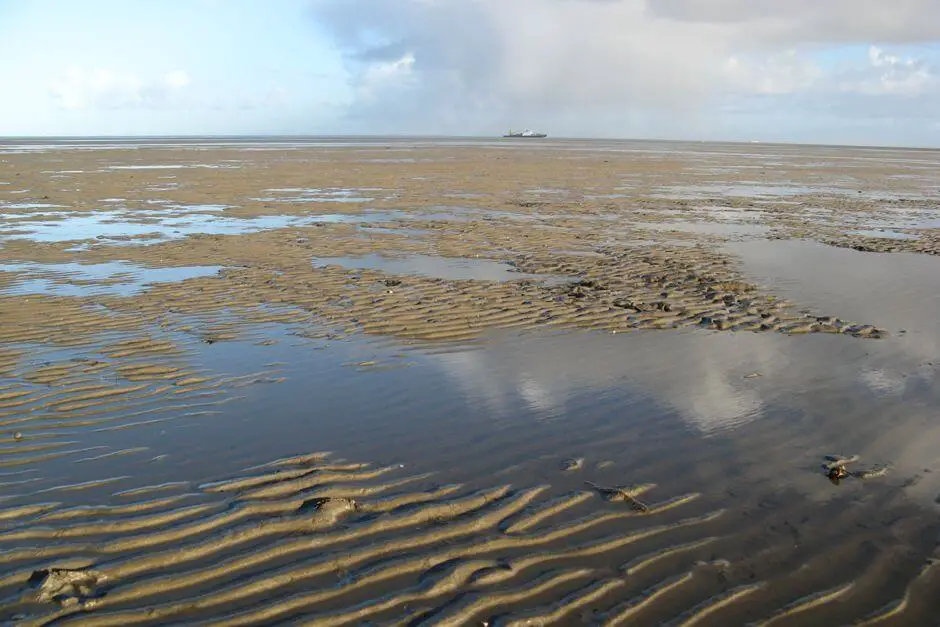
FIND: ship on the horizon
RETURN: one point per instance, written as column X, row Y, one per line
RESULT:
column 526, row 133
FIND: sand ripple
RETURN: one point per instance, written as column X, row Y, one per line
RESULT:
column 337, row 543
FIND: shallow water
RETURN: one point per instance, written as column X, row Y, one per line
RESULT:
column 173, row 166
column 735, row 190
column 682, row 410
column 854, row 284
column 28, row 205
column 160, row 225
column 902, row 220
column 88, row 279
column 884, row 233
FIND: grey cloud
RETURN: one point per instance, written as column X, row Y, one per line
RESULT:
column 480, row 62
column 819, row 21
column 604, row 67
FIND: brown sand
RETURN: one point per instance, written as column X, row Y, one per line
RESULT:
column 265, row 547
column 341, row 544
column 592, row 231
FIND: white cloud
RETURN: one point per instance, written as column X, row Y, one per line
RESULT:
column 878, row 74
column 891, row 75
column 103, row 88
column 176, row 79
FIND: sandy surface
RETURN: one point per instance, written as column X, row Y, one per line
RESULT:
column 690, row 320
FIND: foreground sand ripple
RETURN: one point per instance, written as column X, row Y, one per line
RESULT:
column 339, row 543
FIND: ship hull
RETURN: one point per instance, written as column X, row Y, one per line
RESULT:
column 535, row 136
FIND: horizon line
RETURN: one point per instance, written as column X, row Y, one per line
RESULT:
column 405, row 136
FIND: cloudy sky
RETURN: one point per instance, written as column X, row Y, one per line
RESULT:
column 822, row 71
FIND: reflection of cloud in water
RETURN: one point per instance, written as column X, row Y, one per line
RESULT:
column 815, row 395
column 541, row 398
column 715, row 403
column 882, row 381
column 472, row 374
column 694, row 373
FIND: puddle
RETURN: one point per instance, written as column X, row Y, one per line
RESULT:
column 467, row 195
column 115, row 226
column 174, row 166
column 169, row 207
column 685, row 192
column 606, row 196
column 318, row 195
column 759, row 191
column 117, row 278
column 902, row 221
column 707, row 228
column 547, row 190
column 455, row 269
column 893, row 291
column 28, row 205
column 17, row 217
column 527, row 402
column 732, row 213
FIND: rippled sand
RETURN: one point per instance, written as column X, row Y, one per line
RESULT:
column 342, row 543
column 467, row 317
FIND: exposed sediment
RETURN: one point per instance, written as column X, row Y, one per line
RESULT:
column 417, row 552
column 613, row 241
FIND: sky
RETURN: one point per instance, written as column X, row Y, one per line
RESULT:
column 815, row 71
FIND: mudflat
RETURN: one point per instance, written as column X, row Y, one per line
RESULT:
column 401, row 382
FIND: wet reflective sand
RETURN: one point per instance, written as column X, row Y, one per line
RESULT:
column 640, row 441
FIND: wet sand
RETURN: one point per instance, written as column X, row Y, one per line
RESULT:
column 457, row 322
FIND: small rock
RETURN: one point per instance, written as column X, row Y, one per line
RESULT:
column 66, row 586
column 329, row 510
column 570, row 465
